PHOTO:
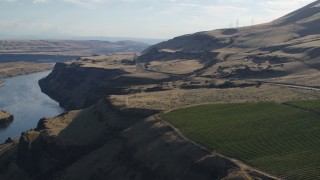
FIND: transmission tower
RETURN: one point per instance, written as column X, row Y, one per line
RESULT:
column 294, row 25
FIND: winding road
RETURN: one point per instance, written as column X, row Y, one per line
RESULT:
column 291, row 85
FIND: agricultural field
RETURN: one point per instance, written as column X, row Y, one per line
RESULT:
column 281, row 138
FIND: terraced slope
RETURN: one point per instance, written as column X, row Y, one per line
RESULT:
column 281, row 138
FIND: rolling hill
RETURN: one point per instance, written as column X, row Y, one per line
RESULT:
column 115, row 132
column 43, row 50
column 289, row 45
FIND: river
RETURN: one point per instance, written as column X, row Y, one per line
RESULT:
column 22, row 97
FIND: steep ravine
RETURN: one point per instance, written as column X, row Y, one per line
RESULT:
column 103, row 142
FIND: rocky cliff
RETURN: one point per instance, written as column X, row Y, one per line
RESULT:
column 103, row 141
column 100, row 142
column 75, row 86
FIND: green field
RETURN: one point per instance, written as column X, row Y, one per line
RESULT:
column 280, row 138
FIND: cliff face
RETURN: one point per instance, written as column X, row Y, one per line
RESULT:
column 100, row 142
column 76, row 87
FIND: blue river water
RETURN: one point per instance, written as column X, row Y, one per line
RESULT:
column 22, row 97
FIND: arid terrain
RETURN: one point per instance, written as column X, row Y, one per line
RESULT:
column 21, row 68
column 285, row 50
column 112, row 129
column 61, row 50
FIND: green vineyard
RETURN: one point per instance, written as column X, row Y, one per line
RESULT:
column 283, row 139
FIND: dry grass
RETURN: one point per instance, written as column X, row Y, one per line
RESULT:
column 266, row 49
column 80, row 127
column 4, row 115
column 67, row 47
column 175, row 66
column 178, row 98
column 114, row 61
column 21, row 68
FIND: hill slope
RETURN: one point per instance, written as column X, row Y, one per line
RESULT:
column 99, row 143
column 265, row 50
column 31, row 50
column 113, row 135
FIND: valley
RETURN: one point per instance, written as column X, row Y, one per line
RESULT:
column 237, row 103
column 16, row 69
column 61, row 50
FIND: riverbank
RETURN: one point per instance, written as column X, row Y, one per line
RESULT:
column 13, row 69
column 21, row 68
column 22, row 97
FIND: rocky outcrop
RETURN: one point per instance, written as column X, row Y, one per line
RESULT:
column 26, row 151
column 5, row 118
column 102, row 141
column 76, row 87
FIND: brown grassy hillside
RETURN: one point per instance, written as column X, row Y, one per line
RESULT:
column 115, row 133
column 68, row 47
column 21, row 68
column 288, row 46
column 101, row 143
column 61, row 50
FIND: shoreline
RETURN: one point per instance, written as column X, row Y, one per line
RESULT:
column 13, row 69
column 27, row 110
